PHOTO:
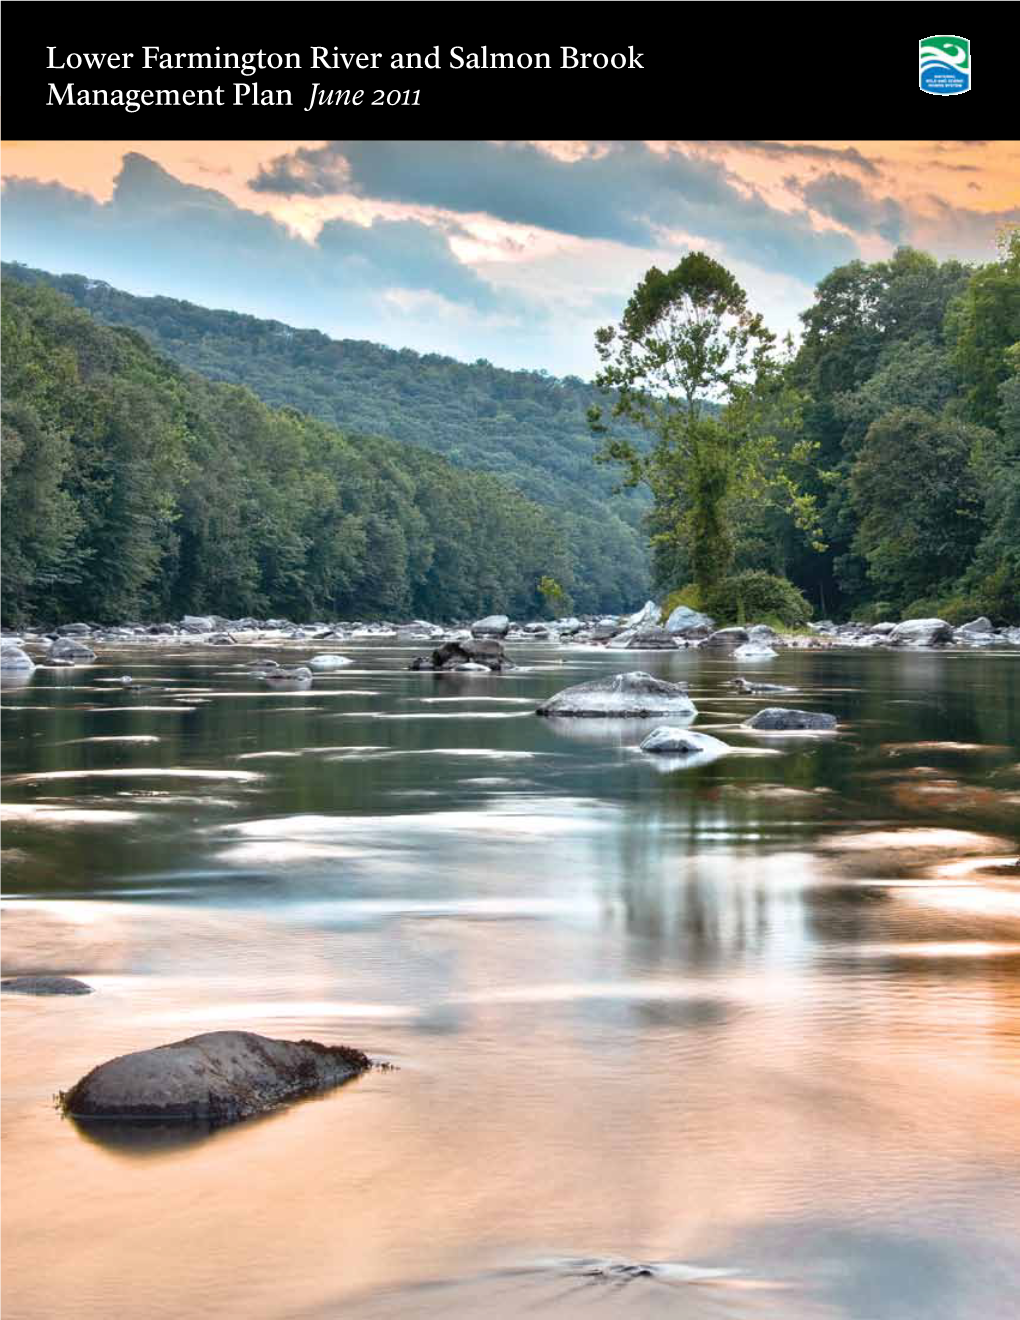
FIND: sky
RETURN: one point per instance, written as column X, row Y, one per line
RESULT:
column 510, row 251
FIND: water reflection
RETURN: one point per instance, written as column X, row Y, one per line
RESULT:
column 732, row 1023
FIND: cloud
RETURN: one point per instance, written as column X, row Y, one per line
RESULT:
column 626, row 192
column 845, row 200
column 175, row 237
column 807, row 151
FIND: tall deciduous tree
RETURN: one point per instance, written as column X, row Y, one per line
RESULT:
column 692, row 364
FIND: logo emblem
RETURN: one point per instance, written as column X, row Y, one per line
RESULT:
column 944, row 66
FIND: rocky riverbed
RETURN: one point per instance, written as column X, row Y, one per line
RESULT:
column 477, row 646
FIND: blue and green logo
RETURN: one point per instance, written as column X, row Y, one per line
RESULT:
column 944, row 66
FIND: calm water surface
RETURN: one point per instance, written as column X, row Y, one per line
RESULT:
column 755, row 1022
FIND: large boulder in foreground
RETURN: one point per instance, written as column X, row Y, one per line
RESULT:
column 215, row 1078
column 44, row 985
column 624, row 696
column 493, row 625
column 779, row 718
column 921, row 632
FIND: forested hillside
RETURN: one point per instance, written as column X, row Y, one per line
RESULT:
column 876, row 468
column 528, row 427
column 135, row 489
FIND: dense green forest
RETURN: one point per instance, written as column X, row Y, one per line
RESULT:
column 135, row 489
column 525, row 426
column 876, row 466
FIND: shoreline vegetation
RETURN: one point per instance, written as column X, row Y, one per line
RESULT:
column 870, row 475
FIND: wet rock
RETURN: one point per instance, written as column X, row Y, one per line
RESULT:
column 493, row 625
column 742, row 685
column 634, row 695
column 754, row 650
column 328, row 662
column 881, row 629
column 1011, row 635
column 779, row 718
column 161, row 629
column 44, row 985
column 763, row 634
column 283, row 676
column 621, row 641
column 689, row 623
column 606, row 628
column 673, row 741
column 651, row 639
column 568, row 627
column 67, row 650
column 921, row 632
column 485, row 651
column 725, row 639
column 218, row 1077
column 14, row 658
column 470, row 667
column 221, row 639
column 979, row 626
column 647, row 616
column 198, row 623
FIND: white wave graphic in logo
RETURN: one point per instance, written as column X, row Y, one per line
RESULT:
column 933, row 55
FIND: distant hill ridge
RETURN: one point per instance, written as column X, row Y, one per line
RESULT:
column 525, row 426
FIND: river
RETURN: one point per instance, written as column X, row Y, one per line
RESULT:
column 754, row 1024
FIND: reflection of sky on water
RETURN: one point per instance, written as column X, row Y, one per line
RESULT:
column 736, row 1019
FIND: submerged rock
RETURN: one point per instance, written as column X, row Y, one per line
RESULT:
column 921, row 632
column 283, row 677
column 743, row 685
column 325, row 662
column 218, row 1077
column 674, row 741
column 778, row 717
column 634, row 695
column 44, row 985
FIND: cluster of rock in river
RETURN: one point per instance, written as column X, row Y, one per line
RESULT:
column 465, row 647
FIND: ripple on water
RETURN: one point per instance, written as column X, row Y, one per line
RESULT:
column 138, row 772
